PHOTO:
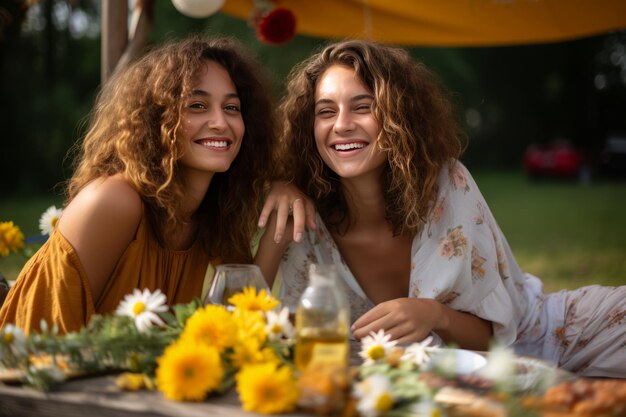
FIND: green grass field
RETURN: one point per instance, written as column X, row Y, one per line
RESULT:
column 567, row 234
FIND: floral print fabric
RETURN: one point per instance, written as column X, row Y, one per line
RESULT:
column 462, row 259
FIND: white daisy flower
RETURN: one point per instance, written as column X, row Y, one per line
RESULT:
column 419, row 353
column 49, row 219
column 12, row 338
column 143, row 307
column 376, row 346
column 278, row 324
column 374, row 396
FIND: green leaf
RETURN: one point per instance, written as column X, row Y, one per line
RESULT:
column 228, row 380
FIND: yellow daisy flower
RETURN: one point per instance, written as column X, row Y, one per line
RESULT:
column 246, row 353
column 269, row 356
column 11, row 238
column 212, row 326
column 249, row 299
column 133, row 381
column 250, row 325
column 188, row 371
column 267, row 388
column 249, row 352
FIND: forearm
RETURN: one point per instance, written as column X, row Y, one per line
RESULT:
column 464, row 329
column 270, row 253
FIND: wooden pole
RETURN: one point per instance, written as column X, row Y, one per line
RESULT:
column 140, row 24
column 114, row 35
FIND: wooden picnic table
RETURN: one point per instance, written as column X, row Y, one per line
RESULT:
column 100, row 397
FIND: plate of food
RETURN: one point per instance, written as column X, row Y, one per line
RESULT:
column 532, row 374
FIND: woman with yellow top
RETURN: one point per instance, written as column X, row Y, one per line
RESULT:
column 169, row 177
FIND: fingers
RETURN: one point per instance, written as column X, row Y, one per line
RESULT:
column 303, row 212
column 299, row 217
column 282, row 217
column 280, row 204
column 268, row 207
column 403, row 331
column 286, row 199
column 373, row 320
column 277, row 193
column 406, row 332
column 399, row 318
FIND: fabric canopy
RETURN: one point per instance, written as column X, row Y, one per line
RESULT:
column 450, row 22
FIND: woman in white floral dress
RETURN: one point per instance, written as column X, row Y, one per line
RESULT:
column 370, row 137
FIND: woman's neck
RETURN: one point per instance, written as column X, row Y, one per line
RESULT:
column 365, row 200
column 196, row 187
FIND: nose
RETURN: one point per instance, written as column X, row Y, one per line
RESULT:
column 217, row 120
column 344, row 121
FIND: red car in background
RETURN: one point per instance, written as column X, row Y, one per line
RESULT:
column 556, row 159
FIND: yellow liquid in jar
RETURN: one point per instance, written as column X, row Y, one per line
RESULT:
column 321, row 350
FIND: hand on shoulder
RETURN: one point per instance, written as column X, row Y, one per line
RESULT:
column 100, row 223
column 287, row 201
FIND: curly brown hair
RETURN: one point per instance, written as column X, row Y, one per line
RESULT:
column 135, row 126
column 418, row 131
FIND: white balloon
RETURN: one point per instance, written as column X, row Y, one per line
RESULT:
column 198, row 8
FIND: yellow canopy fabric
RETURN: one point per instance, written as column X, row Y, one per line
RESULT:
column 450, row 22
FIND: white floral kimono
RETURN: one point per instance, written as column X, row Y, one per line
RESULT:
column 462, row 259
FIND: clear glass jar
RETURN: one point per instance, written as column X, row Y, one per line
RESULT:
column 322, row 321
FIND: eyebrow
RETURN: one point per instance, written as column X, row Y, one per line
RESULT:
column 207, row 94
column 355, row 98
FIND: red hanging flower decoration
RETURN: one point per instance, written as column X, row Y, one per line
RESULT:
column 277, row 26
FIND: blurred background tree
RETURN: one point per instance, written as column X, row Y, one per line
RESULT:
column 507, row 97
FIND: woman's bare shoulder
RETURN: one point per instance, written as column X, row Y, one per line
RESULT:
column 109, row 201
column 100, row 223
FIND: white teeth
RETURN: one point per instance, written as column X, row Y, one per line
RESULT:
column 348, row 146
column 215, row 144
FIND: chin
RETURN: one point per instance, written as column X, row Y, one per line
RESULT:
column 220, row 169
column 219, row 166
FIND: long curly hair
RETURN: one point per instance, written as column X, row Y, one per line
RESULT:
column 418, row 131
column 135, row 126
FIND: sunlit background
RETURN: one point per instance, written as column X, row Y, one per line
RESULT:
column 556, row 100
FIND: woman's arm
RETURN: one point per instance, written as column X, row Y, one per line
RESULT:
column 100, row 223
column 411, row 319
column 285, row 213
column 270, row 252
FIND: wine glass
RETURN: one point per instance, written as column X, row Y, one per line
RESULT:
column 230, row 279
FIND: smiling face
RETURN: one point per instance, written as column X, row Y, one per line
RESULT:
column 213, row 126
column 345, row 127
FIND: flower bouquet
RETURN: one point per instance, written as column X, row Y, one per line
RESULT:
column 12, row 239
column 187, row 353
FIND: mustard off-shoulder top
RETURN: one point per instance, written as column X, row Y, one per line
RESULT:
column 53, row 284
